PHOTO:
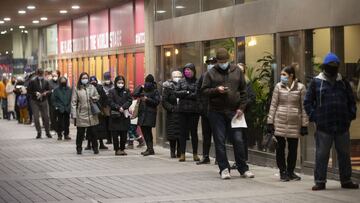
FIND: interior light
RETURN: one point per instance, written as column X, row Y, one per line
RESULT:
column 22, row 27
column 11, row 29
column 7, row 19
column 35, row 21
column 75, row 7
column 26, row 31
column 21, row 11
column 63, row 11
column 176, row 51
column 6, row 52
column 31, row 7
column 168, row 54
column 160, row 11
column 252, row 42
column 2, row 22
column 43, row 18
column 180, row 7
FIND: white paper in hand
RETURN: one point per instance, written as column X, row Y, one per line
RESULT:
column 239, row 122
column 127, row 113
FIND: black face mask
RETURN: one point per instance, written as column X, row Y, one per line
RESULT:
column 63, row 84
column 331, row 71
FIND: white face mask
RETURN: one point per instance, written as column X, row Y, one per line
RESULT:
column 55, row 78
column 176, row 79
column 107, row 82
column 210, row 66
column 120, row 85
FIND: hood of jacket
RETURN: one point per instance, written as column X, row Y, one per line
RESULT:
column 322, row 76
column 169, row 84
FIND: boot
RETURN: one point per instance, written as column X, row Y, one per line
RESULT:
column 120, row 153
column 149, row 152
column 59, row 136
column 96, row 151
column 204, row 160
column 293, row 176
column 67, row 137
column 102, row 146
column 196, row 157
column 172, row 150
column 284, row 177
column 319, row 186
column 172, row 154
column 146, row 151
column 88, row 147
column 350, row 185
column 78, row 150
column 182, row 158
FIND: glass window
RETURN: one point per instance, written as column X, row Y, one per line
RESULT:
column 163, row 9
column 210, row 48
column 214, row 4
column 321, row 46
column 352, row 69
column 243, row 1
column 189, row 53
column 186, row 7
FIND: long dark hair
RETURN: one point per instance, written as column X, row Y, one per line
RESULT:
column 290, row 70
column 79, row 80
column 120, row 77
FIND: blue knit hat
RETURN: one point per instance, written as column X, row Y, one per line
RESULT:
column 92, row 79
column 331, row 57
column 107, row 76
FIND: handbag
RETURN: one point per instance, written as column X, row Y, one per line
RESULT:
column 269, row 141
column 95, row 110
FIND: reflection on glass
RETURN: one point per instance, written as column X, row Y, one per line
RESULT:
column 214, row 4
column 210, row 48
column 163, row 9
column 243, row 1
column 352, row 69
column 188, row 53
column 186, row 7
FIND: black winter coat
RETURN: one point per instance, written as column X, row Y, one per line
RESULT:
column 148, row 108
column 186, row 90
column 169, row 102
column 202, row 98
column 102, row 129
column 119, row 98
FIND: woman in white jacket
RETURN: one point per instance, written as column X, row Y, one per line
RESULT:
column 10, row 87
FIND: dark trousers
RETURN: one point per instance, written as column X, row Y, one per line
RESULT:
column 123, row 136
column 189, row 124
column 108, row 133
column 11, row 113
column 288, row 166
column 147, row 132
column 207, row 134
column 41, row 108
column 324, row 142
column 53, row 119
column 174, row 146
column 221, row 127
column 4, row 108
column 62, row 123
column 81, row 134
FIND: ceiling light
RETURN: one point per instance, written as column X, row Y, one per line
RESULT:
column 75, row 7
column 26, row 31
column 63, row 11
column 21, row 11
column 35, row 21
column 43, row 18
column 180, row 7
column 11, row 29
column 22, row 31
column 2, row 22
column 22, row 27
column 160, row 11
column 3, row 32
column 6, row 52
column 31, row 7
column 7, row 19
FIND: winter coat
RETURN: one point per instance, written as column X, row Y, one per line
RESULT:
column 286, row 111
column 170, row 104
column 61, row 99
column 148, row 108
column 10, row 96
column 119, row 98
column 331, row 106
column 202, row 98
column 34, row 86
column 235, row 97
column 109, row 87
column 186, row 91
column 81, row 106
column 102, row 129
column 2, row 90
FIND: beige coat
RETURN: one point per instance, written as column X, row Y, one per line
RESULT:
column 287, row 112
column 81, row 108
column 10, row 96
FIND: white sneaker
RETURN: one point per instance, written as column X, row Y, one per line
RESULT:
column 225, row 174
column 248, row 174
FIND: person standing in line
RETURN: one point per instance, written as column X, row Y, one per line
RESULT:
column 108, row 85
column 225, row 86
column 287, row 119
column 22, row 103
column 170, row 104
column 4, row 97
column 84, row 95
column 18, row 88
column 11, row 98
column 133, row 128
column 52, row 78
column 149, row 100
column 204, row 110
column 39, row 89
column 61, row 100
column 331, row 105
column 120, row 100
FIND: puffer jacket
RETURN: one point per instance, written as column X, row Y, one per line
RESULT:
column 170, row 104
column 81, row 108
column 287, row 112
column 186, row 91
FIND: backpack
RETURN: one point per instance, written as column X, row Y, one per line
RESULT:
column 22, row 101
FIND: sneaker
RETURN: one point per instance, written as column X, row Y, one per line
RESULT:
column 225, row 174
column 204, row 160
column 284, row 177
column 293, row 176
column 120, row 153
column 350, row 185
column 233, row 167
column 248, row 174
column 319, row 186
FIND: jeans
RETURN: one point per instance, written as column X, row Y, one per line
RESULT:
column 81, row 134
column 324, row 142
column 207, row 134
column 62, row 123
column 221, row 127
column 43, row 109
column 288, row 166
column 123, row 136
column 189, row 123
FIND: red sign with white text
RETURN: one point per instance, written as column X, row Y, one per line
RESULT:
column 139, row 22
column 64, row 37
column 81, row 34
column 99, row 30
column 122, row 25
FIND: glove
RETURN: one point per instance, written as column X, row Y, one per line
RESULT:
column 304, row 131
column 270, row 128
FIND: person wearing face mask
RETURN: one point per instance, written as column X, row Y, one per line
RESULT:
column 61, row 100
column 225, row 86
column 18, row 89
column 170, row 104
column 120, row 100
column 287, row 119
column 53, row 83
column 83, row 95
column 107, row 86
column 10, row 88
column 39, row 89
column 189, row 110
column 204, row 109
column 149, row 100
column 331, row 105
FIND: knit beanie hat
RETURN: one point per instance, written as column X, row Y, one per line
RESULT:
column 222, row 54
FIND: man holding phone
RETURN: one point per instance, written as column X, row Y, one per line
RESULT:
column 225, row 86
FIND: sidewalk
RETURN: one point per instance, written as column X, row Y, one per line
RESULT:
column 48, row 170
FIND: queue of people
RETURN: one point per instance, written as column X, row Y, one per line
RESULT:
column 220, row 97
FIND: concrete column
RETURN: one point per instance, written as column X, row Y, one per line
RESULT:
column 17, row 44
column 150, row 50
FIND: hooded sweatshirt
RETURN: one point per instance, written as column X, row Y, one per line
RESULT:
column 186, row 91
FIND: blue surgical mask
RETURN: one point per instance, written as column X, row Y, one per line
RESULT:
column 84, row 81
column 224, row 66
column 210, row 66
column 284, row 79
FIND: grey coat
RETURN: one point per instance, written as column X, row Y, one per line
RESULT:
column 81, row 107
